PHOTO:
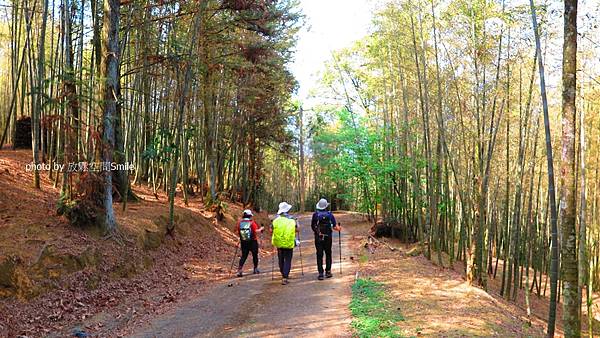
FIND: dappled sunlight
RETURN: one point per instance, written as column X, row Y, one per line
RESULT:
column 304, row 307
column 439, row 302
column 147, row 146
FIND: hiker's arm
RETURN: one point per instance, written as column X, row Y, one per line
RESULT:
column 332, row 218
column 336, row 226
column 259, row 228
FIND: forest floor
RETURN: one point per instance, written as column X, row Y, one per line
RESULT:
column 55, row 278
column 438, row 301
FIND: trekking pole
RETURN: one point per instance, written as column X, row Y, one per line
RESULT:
column 300, row 247
column 272, row 255
column 340, row 245
column 233, row 260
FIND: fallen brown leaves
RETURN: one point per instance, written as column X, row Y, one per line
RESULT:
column 436, row 301
column 131, row 284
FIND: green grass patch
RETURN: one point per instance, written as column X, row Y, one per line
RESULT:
column 373, row 315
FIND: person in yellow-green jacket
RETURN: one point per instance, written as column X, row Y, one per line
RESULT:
column 284, row 239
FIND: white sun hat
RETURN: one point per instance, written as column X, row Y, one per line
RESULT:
column 323, row 204
column 283, row 207
column 248, row 212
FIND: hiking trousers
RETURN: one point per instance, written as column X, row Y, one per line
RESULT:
column 285, row 261
column 323, row 247
column 247, row 247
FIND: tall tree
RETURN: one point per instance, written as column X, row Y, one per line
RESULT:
column 110, row 75
column 568, row 196
column 582, row 255
column 551, row 189
column 193, row 32
column 38, row 103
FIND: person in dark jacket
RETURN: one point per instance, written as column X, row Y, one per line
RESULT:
column 248, row 231
column 323, row 225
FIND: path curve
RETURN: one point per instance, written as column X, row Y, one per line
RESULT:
column 256, row 306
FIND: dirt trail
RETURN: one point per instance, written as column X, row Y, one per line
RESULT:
column 257, row 306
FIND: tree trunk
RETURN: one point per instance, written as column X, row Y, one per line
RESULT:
column 183, row 99
column 302, row 186
column 568, row 200
column 37, row 112
column 582, row 258
column 551, row 191
column 110, row 74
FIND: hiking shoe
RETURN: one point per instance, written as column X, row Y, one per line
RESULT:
column 320, row 276
column 239, row 273
column 256, row 271
column 328, row 274
column 284, row 281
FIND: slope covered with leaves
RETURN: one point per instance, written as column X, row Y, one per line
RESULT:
column 54, row 277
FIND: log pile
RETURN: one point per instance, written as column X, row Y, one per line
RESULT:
column 381, row 229
column 371, row 243
column 407, row 233
column 23, row 133
column 375, row 240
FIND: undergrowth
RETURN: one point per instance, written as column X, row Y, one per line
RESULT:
column 373, row 315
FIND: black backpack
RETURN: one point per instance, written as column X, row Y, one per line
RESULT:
column 324, row 223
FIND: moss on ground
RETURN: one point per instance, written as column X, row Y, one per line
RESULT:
column 373, row 315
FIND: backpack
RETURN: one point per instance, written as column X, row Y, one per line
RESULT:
column 324, row 223
column 284, row 233
column 246, row 229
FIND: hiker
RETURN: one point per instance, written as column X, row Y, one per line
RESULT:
column 284, row 239
column 323, row 224
column 248, row 231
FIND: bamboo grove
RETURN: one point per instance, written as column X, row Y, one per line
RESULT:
column 190, row 94
column 446, row 124
column 441, row 124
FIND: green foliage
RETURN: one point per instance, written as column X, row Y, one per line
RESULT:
column 281, row 172
column 373, row 316
column 352, row 153
column 162, row 147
